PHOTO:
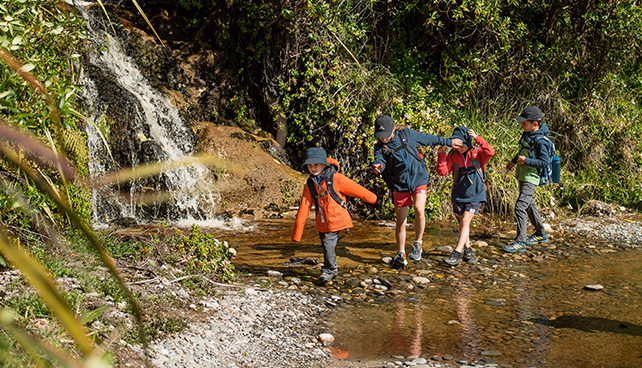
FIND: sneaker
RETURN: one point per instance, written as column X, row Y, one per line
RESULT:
column 415, row 255
column 515, row 246
column 326, row 276
column 469, row 254
column 537, row 239
column 399, row 262
column 454, row 258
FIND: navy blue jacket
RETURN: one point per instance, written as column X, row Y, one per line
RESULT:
column 540, row 157
column 408, row 172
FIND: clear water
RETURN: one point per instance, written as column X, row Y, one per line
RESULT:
column 533, row 313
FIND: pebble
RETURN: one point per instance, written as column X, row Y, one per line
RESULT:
column 595, row 287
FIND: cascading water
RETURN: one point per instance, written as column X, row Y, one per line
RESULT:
column 144, row 127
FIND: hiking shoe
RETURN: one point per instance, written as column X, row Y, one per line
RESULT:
column 537, row 239
column 515, row 246
column 326, row 276
column 454, row 258
column 468, row 254
column 399, row 262
column 415, row 255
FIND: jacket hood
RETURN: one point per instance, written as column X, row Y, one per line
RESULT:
column 332, row 168
column 543, row 130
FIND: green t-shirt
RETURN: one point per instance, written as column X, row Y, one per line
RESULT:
column 524, row 172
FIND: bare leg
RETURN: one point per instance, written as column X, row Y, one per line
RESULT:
column 400, row 230
column 420, row 215
column 464, row 230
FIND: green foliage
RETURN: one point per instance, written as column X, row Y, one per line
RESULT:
column 48, row 38
column 159, row 326
column 203, row 253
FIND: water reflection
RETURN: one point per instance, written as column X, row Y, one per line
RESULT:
column 399, row 340
column 470, row 337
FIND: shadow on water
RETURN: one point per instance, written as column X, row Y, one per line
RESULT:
column 522, row 310
column 592, row 324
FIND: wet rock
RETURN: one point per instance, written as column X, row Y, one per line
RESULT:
column 490, row 353
column 420, row 280
column 495, row 302
column 595, row 287
column 385, row 282
column 274, row 273
column 444, row 249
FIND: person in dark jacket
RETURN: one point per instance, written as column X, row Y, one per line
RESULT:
column 468, row 165
column 527, row 162
column 397, row 147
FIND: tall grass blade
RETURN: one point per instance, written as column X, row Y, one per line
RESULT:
column 31, row 345
column 107, row 15
column 147, row 20
column 36, row 275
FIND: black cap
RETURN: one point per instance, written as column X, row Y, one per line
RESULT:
column 384, row 126
column 531, row 113
column 461, row 132
column 315, row 155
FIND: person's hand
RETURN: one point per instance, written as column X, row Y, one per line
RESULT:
column 377, row 168
column 442, row 149
column 456, row 143
column 521, row 160
column 509, row 166
column 472, row 133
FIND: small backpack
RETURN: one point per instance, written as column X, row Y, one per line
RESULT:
column 329, row 182
column 387, row 173
column 545, row 173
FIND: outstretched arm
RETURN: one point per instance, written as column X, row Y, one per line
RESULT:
column 350, row 188
column 302, row 214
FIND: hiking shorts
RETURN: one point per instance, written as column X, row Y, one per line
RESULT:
column 405, row 199
column 460, row 208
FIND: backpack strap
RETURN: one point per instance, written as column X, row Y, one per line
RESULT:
column 329, row 181
column 333, row 193
column 315, row 195
column 475, row 163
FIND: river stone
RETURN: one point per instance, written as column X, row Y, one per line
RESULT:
column 386, row 260
column 420, row 280
column 326, row 338
column 274, row 273
column 495, row 302
column 444, row 249
column 490, row 353
column 595, row 287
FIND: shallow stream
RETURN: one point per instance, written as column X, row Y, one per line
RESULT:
column 523, row 310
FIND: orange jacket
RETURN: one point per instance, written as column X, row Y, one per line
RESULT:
column 335, row 217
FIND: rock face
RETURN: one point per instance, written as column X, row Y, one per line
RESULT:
column 254, row 183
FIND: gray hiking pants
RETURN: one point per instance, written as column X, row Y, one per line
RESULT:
column 329, row 243
column 525, row 210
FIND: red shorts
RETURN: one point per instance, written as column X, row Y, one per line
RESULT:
column 404, row 199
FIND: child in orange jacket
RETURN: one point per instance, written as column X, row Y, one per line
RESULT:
column 327, row 189
column 468, row 165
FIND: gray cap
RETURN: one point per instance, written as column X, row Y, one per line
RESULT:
column 384, row 126
column 531, row 113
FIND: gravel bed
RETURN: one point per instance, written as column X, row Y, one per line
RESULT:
column 251, row 328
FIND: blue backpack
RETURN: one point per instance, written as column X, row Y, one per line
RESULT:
column 545, row 173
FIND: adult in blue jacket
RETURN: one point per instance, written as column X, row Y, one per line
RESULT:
column 397, row 147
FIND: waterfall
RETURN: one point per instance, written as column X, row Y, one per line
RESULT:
column 144, row 127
